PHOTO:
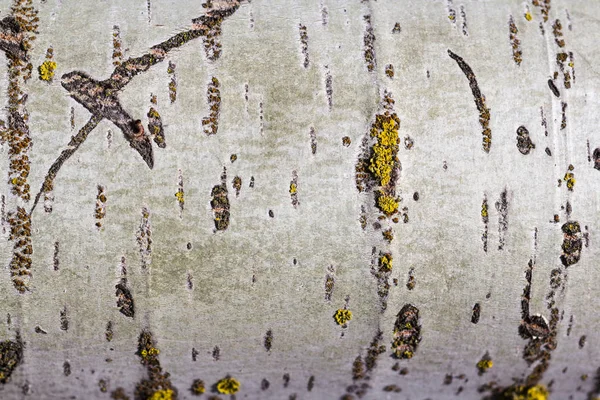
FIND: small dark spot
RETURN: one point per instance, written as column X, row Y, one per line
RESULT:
column 216, row 353
column 448, row 379
column 194, row 354
column 268, row 342
column 416, row 196
column 66, row 368
column 189, row 246
column 487, row 296
column 264, row 384
column 404, row 371
column 311, row 383
column 396, row 367
column 548, row 152
column 582, row 341
column 286, row 380
column 271, row 214
column 295, row 261
column 445, row 165
column 392, row 388
column 459, row 390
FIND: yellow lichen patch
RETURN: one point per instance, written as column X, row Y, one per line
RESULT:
column 228, row 385
column 293, row 188
column 179, row 196
column 519, row 392
column 387, row 204
column 537, row 392
column 198, row 387
column 46, row 70
column 385, row 263
column 383, row 158
column 570, row 179
column 484, row 209
column 166, row 394
column 342, row 316
column 484, row 365
column 152, row 352
column 528, row 16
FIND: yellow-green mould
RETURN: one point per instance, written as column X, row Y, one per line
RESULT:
column 228, row 385
column 46, row 70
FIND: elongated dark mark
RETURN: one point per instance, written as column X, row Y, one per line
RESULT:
column 514, row 41
column 216, row 353
column 304, row 44
column 329, row 87
column 64, row 319
column 486, row 219
column 484, row 112
column 369, row 43
column 213, row 95
column 329, row 282
column 463, row 15
column 596, row 156
column 55, row 259
column 324, row 14
column 553, row 88
column 476, row 313
column 268, row 341
column 220, row 203
column 108, row 334
column 502, row 208
column 155, row 128
column 100, row 98
column 144, row 239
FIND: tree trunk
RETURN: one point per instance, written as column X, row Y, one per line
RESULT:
column 300, row 199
